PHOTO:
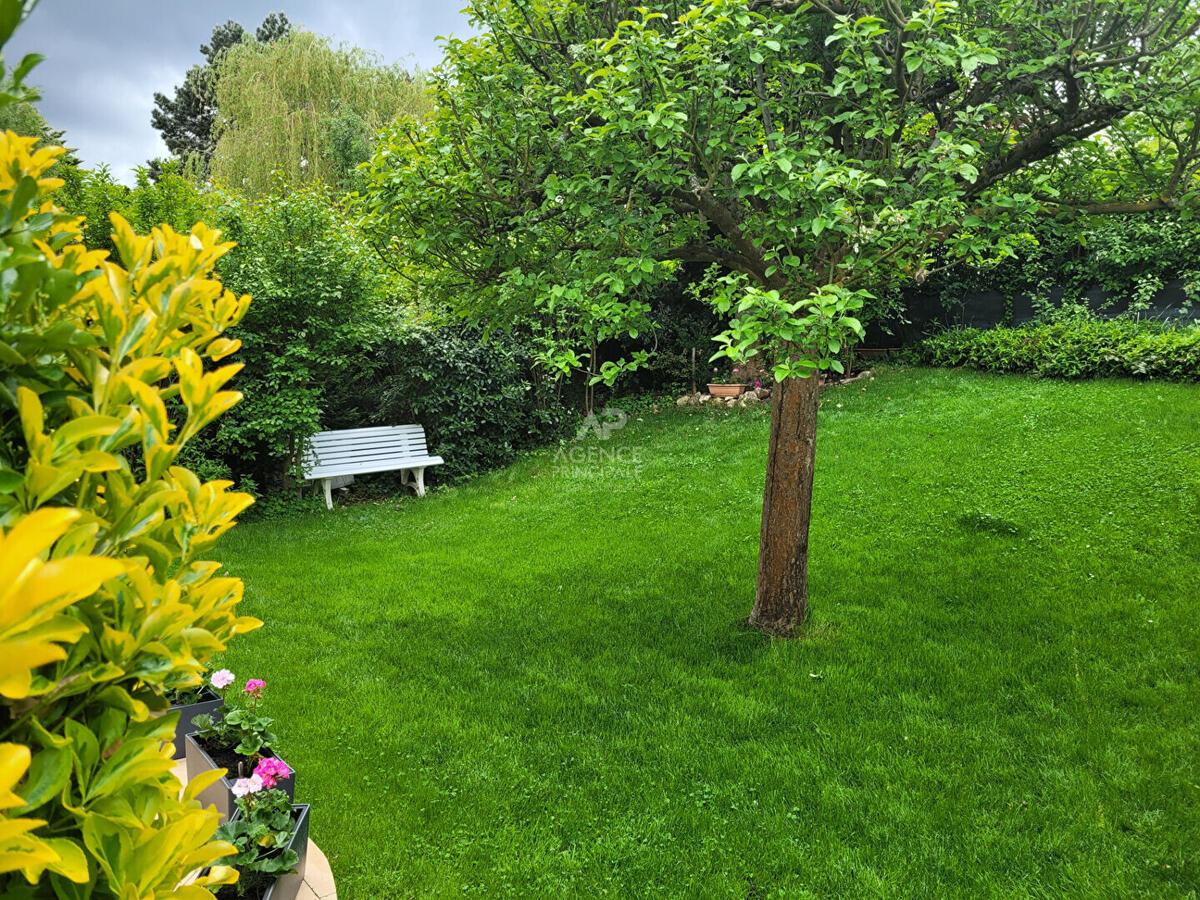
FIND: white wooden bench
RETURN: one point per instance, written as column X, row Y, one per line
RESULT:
column 340, row 455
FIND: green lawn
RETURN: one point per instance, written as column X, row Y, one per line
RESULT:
column 535, row 684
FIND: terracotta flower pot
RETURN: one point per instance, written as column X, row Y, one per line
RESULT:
column 726, row 390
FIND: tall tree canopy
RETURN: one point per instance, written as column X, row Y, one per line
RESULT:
column 810, row 151
column 186, row 119
column 305, row 107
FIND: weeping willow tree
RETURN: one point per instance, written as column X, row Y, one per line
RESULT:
column 306, row 108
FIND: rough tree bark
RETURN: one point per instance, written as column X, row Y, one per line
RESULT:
column 781, row 598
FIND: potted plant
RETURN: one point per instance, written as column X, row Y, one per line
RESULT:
column 271, row 837
column 726, row 385
column 239, row 740
column 192, row 702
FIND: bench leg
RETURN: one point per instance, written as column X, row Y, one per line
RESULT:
column 415, row 479
column 328, row 493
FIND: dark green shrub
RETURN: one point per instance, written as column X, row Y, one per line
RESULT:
column 480, row 402
column 1084, row 348
column 1129, row 257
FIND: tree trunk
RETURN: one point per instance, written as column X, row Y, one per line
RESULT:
column 781, row 599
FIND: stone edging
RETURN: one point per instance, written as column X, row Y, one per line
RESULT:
column 755, row 396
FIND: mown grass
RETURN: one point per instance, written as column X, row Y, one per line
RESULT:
column 535, row 684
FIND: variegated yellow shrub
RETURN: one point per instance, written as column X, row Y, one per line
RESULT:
column 107, row 369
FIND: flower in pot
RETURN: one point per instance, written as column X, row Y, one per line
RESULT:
column 239, row 740
column 722, row 385
column 270, row 835
column 189, row 703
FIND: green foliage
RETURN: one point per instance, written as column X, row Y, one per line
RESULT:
column 25, row 119
column 319, row 293
column 1082, row 348
column 765, row 321
column 172, row 197
column 579, row 152
column 239, row 727
column 481, row 402
column 260, row 832
column 308, row 109
column 1130, row 257
column 1148, row 160
column 242, row 729
column 107, row 600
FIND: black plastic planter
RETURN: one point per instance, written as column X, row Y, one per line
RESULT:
column 220, row 794
column 208, row 706
column 287, row 887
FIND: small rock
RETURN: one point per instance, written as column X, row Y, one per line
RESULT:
column 685, row 400
column 731, row 402
column 750, row 399
column 762, row 393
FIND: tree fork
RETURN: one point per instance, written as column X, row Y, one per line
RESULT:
column 781, row 598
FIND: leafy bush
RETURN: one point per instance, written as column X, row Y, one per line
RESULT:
column 481, row 403
column 106, row 600
column 319, row 292
column 1082, row 348
column 171, row 198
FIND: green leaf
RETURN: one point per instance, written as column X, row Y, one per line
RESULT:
column 48, row 775
column 10, row 481
column 12, row 14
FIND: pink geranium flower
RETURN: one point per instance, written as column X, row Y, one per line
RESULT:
column 221, row 679
column 271, row 771
column 255, row 686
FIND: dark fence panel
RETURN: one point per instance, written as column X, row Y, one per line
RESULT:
column 926, row 312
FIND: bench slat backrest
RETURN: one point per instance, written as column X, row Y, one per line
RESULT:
column 330, row 451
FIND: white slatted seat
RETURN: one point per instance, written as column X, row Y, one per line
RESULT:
column 340, row 455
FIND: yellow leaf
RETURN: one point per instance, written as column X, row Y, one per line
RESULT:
column 29, row 407
column 219, row 875
column 29, row 538
column 87, row 427
column 18, row 852
column 204, row 780
column 71, row 863
column 223, row 347
column 14, row 763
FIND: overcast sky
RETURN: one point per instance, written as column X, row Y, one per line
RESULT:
column 106, row 58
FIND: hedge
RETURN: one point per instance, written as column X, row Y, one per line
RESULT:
column 1086, row 349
